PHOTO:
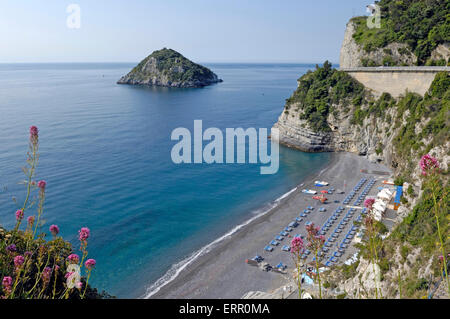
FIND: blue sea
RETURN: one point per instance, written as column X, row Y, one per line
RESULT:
column 105, row 154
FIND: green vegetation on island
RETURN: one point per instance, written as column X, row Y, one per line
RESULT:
column 169, row 68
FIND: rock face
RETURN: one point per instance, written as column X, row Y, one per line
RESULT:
column 296, row 134
column 168, row 68
column 442, row 52
column 353, row 55
column 343, row 137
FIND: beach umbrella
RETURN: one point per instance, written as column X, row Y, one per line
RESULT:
column 383, row 195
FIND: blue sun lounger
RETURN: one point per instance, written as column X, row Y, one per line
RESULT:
column 274, row 243
column 286, row 248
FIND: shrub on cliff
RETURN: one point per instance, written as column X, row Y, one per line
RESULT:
column 433, row 109
column 32, row 267
column 319, row 90
column 423, row 25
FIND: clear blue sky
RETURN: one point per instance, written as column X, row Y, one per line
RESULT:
column 202, row 30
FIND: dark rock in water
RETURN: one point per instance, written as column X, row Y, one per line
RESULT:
column 169, row 68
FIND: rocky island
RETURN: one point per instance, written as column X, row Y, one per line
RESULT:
column 168, row 68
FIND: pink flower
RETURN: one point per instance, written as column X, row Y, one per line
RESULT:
column 42, row 184
column 79, row 285
column 368, row 203
column 19, row 215
column 90, row 263
column 68, row 274
column 322, row 239
column 34, row 135
column 18, row 261
column 297, row 245
column 84, row 233
column 7, row 283
column 54, row 229
column 315, row 241
column 73, row 259
column 428, row 163
column 46, row 274
column 34, row 131
column 11, row 248
column 30, row 220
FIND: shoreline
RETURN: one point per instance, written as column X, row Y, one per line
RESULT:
column 174, row 271
column 218, row 270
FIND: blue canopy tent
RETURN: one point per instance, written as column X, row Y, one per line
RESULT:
column 398, row 197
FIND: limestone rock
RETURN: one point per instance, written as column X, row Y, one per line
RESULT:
column 353, row 55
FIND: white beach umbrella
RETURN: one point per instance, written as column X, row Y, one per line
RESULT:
column 384, row 196
column 379, row 208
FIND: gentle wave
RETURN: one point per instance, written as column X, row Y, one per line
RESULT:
column 177, row 268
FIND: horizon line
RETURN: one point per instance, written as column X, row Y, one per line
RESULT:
column 209, row 62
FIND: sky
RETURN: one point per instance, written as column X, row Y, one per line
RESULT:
column 284, row 31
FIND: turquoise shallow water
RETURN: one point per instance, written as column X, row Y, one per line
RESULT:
column 105, row 153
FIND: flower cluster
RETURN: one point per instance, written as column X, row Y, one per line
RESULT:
column 297, row 246
column 428, row 164
column 19, row 215
column 30, row 220
column 34, row 135
column 42, row 185
column 46, row 274
column 90, row 264
column 54, row 229
column 73, row 259
column 30, row 265
column 83, row 234
column 368, row 203
column 7, row 284
column 11, row 248
column 315, row 240
column 18, row 262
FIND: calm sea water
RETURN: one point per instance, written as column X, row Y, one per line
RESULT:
column 105, row 153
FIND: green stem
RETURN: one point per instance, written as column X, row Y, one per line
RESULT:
column 299, row 277
column 40, row 209
column 87, row 281
column 373, row 263
column 439, row 234
column 318, row 274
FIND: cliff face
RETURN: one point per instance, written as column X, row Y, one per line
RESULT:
column 169, row 68
column 394, row 130
column 343, row 135
column 353, row 55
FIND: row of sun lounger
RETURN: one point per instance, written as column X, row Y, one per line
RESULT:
column 352, row 232
column 347, row 219
column 338, row 230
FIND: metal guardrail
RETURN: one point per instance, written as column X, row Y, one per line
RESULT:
column 398, row 69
